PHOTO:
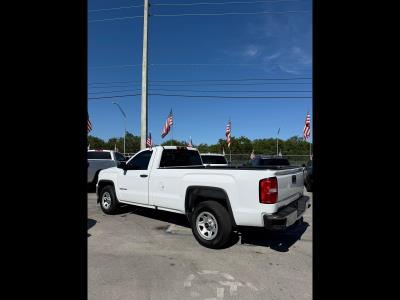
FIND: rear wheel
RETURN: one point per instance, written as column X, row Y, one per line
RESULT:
column 211, row 224
column 108, row 200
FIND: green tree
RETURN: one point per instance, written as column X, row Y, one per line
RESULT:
column 295, row 145
column 96, row 143
column 174, row 143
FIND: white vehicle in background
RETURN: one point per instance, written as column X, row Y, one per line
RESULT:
column 99, row 160
column 213, row 159
column 214, row 199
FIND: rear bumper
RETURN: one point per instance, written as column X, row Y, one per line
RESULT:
column 287, row 215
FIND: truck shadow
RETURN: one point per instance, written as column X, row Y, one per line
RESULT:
column 91, row 188
column 249, row 236
column 278, row 241
column 160, row 215
column 91, row 223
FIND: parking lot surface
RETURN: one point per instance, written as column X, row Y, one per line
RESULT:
column 141, row 253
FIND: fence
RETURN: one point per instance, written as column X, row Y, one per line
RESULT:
column 240, row 159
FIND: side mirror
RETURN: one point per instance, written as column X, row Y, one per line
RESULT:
column 121, row 165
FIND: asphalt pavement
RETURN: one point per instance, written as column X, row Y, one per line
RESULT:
column 141, row 253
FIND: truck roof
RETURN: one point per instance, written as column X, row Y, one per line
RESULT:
column 174, row 147
column 99, row 150
column 213, row 154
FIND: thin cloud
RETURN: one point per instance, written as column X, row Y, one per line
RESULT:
column 251, row 51
column 272, row 57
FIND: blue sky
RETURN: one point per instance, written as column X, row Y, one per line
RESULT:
column 274, row 46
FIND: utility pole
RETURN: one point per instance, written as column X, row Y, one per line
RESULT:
column 143, row 118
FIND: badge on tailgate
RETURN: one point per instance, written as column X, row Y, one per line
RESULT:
column 294, row 179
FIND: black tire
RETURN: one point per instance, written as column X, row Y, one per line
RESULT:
column 108, row 200
column 214, row 211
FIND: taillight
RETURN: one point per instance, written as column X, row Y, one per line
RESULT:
column 268, row 190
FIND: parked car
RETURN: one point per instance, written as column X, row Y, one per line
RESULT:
column 270, row 161
column 99, row 160
column 308, row 178
column 214, row 199
column 213, row 159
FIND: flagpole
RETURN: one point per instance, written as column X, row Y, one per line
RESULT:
column 172, row 133
column 277, row 147
column 230, row 128
column 310, row 134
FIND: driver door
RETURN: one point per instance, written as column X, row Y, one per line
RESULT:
column 133, row 183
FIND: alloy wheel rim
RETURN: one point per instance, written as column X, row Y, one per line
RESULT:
column 106, row 200
column 207, row 225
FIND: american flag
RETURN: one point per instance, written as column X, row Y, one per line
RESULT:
column 252, row 155
column 190, row 144
column 149, row 141
column 306, row 130
column 167, row 126
column 89, row 124
column 228, row 133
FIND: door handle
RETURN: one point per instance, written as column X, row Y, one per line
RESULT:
column 143, row 175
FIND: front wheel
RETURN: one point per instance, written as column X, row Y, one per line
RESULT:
column 108, row 200
column 211, row 225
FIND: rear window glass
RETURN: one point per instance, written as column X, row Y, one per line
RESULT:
column 274, row 162
column 98, row 155
column 213, row 159
column 180, row 158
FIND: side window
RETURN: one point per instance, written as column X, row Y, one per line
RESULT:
column 140, row 161
column 119, row 157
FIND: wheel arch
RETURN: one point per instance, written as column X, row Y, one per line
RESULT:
column 197, row 194
column 101, row 184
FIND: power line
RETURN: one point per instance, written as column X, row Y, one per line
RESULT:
column 109, row 97
column 115, row 19
column 221, row 3
column 205, row 14
column 191, row 4
column 203, row 96
column 227, row 97
column 202, row 91
column 233, row 13
column 109, row 92
column 114, row 8
column 207, row 80
column 115, row 66
column 190, row 65
column 200, row 84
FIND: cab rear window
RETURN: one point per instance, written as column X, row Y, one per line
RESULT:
column 274, row 162
column 213, row 159
column 180, row 158
column 98, row 155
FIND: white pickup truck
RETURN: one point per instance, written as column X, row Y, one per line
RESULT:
column 216, row 200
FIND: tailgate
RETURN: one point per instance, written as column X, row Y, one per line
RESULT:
column 290, row 184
